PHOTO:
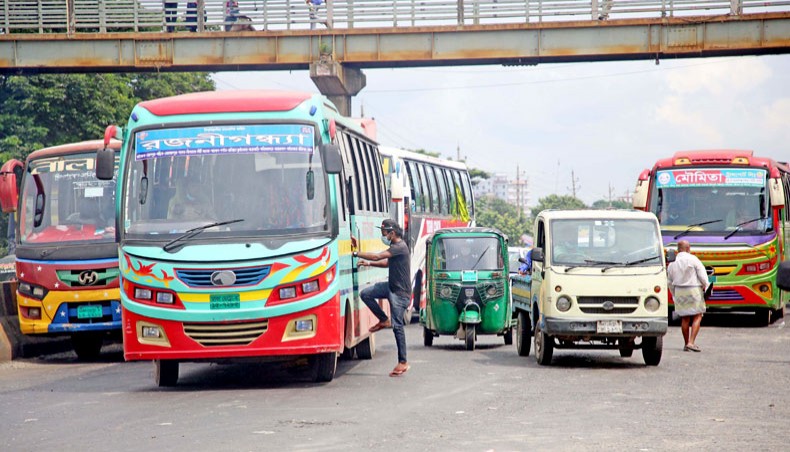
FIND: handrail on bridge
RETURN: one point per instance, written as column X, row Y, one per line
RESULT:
column 103, row 16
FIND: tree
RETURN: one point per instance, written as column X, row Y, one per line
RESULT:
column 474, row 173
column 615, row 204
column 496, row 213
column 557, row 202
column 47, row 110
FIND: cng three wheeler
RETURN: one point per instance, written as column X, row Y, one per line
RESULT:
column 468, row 292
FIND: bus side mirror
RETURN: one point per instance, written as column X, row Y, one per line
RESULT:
column 671, row 256
column 537, row 255
column 783, row 275
column 105, row 164
column 641, row 190
column 330, row 154
column 777, row 194
column 10, row 176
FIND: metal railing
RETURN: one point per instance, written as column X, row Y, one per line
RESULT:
column 110, row 16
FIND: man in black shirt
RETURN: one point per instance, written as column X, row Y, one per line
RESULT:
column 397, row 289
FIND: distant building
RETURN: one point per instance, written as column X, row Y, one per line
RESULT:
column 515, row 192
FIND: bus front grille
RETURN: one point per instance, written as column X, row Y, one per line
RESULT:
column 725, row 295
column 223, row 334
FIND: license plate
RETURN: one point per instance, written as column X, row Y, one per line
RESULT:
column 88, row 312
column 610, row 326
column 224, row 301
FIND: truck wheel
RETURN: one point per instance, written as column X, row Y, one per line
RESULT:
column 367, row 348
column 544, row 346
column 523, row 334
column 165, row 372
column 427, row 337
column 87, row 346
column 470, row 336
column 324, row 365
column 626, row 347
column 651, row 350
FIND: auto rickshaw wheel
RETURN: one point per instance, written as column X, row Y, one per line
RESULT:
column 544, row 346
column 470, row 337
column 508, row 337
column 427, row 336
column 523, row 334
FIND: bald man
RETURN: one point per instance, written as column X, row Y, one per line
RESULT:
column 687, row 281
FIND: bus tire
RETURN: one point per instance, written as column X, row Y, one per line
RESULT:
column 165, row 372
column 651, row 349
column 416, row 295
column 523, row 334
column 367, row 348
column 87, row 346
column 347, row 353
column 324, row 366
column 762, row 317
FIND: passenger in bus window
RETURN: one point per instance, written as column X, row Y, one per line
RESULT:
column 190, row 201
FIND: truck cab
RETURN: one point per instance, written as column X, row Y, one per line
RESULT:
column 598, row 281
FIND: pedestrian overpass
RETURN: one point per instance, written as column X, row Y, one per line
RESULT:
column 340, row 38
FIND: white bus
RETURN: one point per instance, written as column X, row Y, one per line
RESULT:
column 427, row 193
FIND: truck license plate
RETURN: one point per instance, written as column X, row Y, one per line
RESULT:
column 224, row 301
column 610, row 326
column 91, row 311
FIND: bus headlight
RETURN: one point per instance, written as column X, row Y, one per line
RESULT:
column 652, row 304
column 563, row 303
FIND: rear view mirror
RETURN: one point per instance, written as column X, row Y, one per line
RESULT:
column 783, row 275
column 38, row 214
column 537, row 255
column 310, row 184
column 671, row 256
column 105, row 164
column 10, row 177
column 330, row 154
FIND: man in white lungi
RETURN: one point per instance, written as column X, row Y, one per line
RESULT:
column 687, row 281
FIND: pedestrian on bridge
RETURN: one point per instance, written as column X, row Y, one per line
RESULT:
column 171, row 15
column 688, row 281
column 232, row 12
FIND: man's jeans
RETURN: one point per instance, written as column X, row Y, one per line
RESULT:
column 398, row 305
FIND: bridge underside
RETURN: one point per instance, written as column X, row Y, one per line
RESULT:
column 521, row 44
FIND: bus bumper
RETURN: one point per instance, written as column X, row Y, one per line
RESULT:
column 56, row 317
column 317, row 330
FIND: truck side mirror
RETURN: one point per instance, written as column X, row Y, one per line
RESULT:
column 333, row 163
column 537, row 255
column 783, row 275
column 671, row 256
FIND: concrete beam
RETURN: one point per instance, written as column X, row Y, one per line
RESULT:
column 337, row 82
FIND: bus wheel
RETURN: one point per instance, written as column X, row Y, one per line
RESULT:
column 762, row 317
column 324, row 365
column 87, row 346
column 651, row 350
column 780, row 313
column 416, row 295
column 165, row 372
column 367, row 348
column 523, row 334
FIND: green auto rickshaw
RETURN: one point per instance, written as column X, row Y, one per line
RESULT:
column 468, row 291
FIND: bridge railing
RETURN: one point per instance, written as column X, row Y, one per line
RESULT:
column 102, row 16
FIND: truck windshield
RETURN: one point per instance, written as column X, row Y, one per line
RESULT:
column 595, row 242
column 258, row 179
column 735, row 203
column 467, row 253
column 62, row 201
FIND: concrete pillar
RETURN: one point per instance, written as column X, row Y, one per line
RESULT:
column 336, row 82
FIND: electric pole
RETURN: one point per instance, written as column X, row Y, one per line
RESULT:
column 575, row 187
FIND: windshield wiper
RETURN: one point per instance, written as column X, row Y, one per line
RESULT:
column 641, row 261
column 177, row 242
column 481, row 257
column 695, row 226
column 608, row 264
column 738, row 226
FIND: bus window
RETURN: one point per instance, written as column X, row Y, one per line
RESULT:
column 444, row 193
column 359, row 177
column 416, row 186
column 449, row 174
column 383, row 194
column 436, row 207
column 426, row 191
column 375, row 171
column 468, row 196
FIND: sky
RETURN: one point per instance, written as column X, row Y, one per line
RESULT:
column 589, row 126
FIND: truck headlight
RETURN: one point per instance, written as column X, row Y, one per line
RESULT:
column 652, row 304
column 563, row 303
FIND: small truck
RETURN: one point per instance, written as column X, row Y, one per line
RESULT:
column 597, row 281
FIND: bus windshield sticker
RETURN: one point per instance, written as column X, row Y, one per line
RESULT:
column 710, row 177
column 242, row 139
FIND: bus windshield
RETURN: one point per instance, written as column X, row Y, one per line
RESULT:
column 263, row 179
column 62, row 201
column 738, row 205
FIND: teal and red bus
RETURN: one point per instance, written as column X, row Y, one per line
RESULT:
column 236, row 211
column 731, row 207
column 66, row 254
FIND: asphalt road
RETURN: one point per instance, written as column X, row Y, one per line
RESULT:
column 731, row 396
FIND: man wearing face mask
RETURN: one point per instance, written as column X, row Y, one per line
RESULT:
column 397, row 289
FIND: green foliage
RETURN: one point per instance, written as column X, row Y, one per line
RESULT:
column 617, row 204
column 496, row 213
column 47, row 110
column 474, row 172
column 557, row 202
column 438, row 155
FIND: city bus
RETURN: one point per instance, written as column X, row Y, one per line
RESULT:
column 66, row 254
column 731, row 207
column 427, row 194
column 236, row 211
